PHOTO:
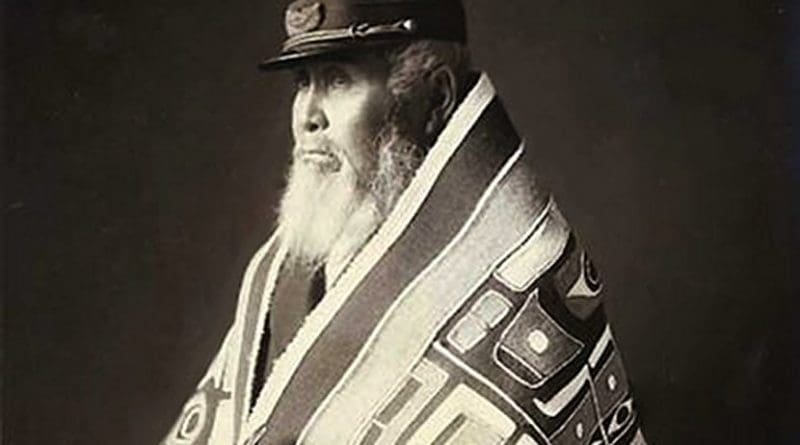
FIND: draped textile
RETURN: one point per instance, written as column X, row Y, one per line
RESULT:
column 472, row 316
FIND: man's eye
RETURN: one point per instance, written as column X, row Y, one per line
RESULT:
column 301, row 80
column 338, row 79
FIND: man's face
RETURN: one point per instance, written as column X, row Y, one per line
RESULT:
column 339, row 118
column 339, row 108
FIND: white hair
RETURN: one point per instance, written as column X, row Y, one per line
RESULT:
column 411, row 66
column 412, row 63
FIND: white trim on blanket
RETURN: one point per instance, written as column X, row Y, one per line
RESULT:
column 266, row 301
column 233, row 344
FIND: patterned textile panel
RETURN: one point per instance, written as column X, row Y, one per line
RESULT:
column 197, row 419
column 524, row 361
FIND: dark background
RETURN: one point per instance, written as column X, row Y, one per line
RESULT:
column 145, row 154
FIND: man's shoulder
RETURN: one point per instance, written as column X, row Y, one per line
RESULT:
column 262, row 256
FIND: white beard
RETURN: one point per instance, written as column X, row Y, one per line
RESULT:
column 326, row 216
column 315, row 207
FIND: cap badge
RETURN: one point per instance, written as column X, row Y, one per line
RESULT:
column 303, row 16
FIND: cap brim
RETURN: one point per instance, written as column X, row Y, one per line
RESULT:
column 296, row 58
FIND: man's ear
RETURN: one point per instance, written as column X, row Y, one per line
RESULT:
column 444, row 97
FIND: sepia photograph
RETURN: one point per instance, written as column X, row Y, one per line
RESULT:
column 418, row 222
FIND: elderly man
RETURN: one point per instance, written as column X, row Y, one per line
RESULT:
column 421, row 287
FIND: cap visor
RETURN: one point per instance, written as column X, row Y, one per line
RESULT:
column 291, row 60
column 326, row 51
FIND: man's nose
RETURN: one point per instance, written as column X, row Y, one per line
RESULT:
column 314, row 119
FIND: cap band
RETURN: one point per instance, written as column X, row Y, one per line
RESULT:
column 402, row 28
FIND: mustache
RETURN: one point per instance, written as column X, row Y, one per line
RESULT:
column 322, row 146
column 321, row 153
